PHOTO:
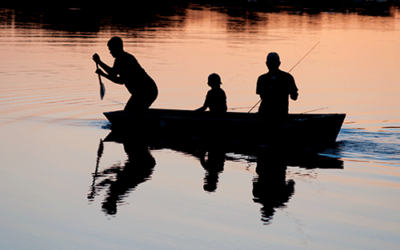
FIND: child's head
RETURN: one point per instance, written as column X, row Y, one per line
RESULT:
column 214, row 80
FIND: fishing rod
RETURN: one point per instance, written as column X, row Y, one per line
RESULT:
column 288, row 72
column 314, row 110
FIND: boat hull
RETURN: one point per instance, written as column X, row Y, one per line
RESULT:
column 315, row 130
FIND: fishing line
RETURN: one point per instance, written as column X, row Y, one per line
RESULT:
column 288, row 72
column 121, row 103
column 239, row 108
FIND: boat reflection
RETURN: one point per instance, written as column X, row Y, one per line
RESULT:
column 271, row 189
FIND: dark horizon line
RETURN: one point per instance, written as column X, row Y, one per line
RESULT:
column 240, row 3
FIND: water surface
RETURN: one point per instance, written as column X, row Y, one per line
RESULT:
column 62, row 189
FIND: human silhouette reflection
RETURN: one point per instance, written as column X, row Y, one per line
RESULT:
column 214, row 165
column 270, row 187
column 123, row 179
column 210, row 152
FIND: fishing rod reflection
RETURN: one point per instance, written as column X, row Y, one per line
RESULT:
column 271, row 189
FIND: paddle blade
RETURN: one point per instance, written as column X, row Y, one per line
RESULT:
column 102, row 90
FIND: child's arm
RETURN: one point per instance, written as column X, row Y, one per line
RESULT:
column 205, row 105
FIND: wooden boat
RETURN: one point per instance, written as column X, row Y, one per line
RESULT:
column 315, row 130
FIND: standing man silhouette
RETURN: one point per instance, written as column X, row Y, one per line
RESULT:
column 127, row 71
column 275, row 87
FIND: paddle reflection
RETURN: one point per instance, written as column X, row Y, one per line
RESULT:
column 121, row 180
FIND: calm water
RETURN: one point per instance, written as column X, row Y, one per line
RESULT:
column 60, row 188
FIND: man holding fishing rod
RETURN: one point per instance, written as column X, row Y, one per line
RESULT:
column 274, row 89
column 127, row 71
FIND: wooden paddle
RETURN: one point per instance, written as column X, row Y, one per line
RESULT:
column 102, row 88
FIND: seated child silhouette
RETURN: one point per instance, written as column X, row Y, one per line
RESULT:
column 216, row 98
